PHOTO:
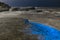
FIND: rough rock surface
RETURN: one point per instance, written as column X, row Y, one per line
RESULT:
column 4, row 7
column 49, row 17
column 12, row 27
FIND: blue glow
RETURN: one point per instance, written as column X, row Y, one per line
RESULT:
column 48, row 32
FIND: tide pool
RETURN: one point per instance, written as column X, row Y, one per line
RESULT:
column 48, row 32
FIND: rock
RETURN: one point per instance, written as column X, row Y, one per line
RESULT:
column 4, row 7
column 21, row 8
column 14, row 9
column 11, row 26
column 27, row 8
column 39, row 11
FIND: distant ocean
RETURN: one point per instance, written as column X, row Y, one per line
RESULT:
column 39, row 3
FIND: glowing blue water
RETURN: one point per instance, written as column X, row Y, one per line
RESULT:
column 47, row 31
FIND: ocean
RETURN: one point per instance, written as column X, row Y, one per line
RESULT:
column 39, row 3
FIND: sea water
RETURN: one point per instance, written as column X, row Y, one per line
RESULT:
column 48, row 32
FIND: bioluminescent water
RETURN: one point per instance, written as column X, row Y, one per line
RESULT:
column 48, row 32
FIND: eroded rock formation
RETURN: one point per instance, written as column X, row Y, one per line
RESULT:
column 13, row 27
column 4, row 7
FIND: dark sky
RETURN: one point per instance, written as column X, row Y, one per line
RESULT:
column 42, row 3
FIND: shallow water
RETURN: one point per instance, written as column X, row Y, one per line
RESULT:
column 48, row 32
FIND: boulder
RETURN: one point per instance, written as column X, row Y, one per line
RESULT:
column 4, row 7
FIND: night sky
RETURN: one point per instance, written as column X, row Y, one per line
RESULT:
column 41, row 3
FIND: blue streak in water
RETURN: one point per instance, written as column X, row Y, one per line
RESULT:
column 49, row 32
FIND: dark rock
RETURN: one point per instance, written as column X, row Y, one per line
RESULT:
column 14, row 9
column 4, row 7
column 22, row 9
column 27, row 8
column 39, row 11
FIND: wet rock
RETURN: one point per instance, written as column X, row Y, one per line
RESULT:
column 39, row 11
column 4, row 7
column 27, row 8
column 14, row 9
column 11, row 26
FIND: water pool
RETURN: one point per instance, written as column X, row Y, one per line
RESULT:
column 48, row 32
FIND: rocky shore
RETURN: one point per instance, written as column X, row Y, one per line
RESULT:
column 13, row 25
